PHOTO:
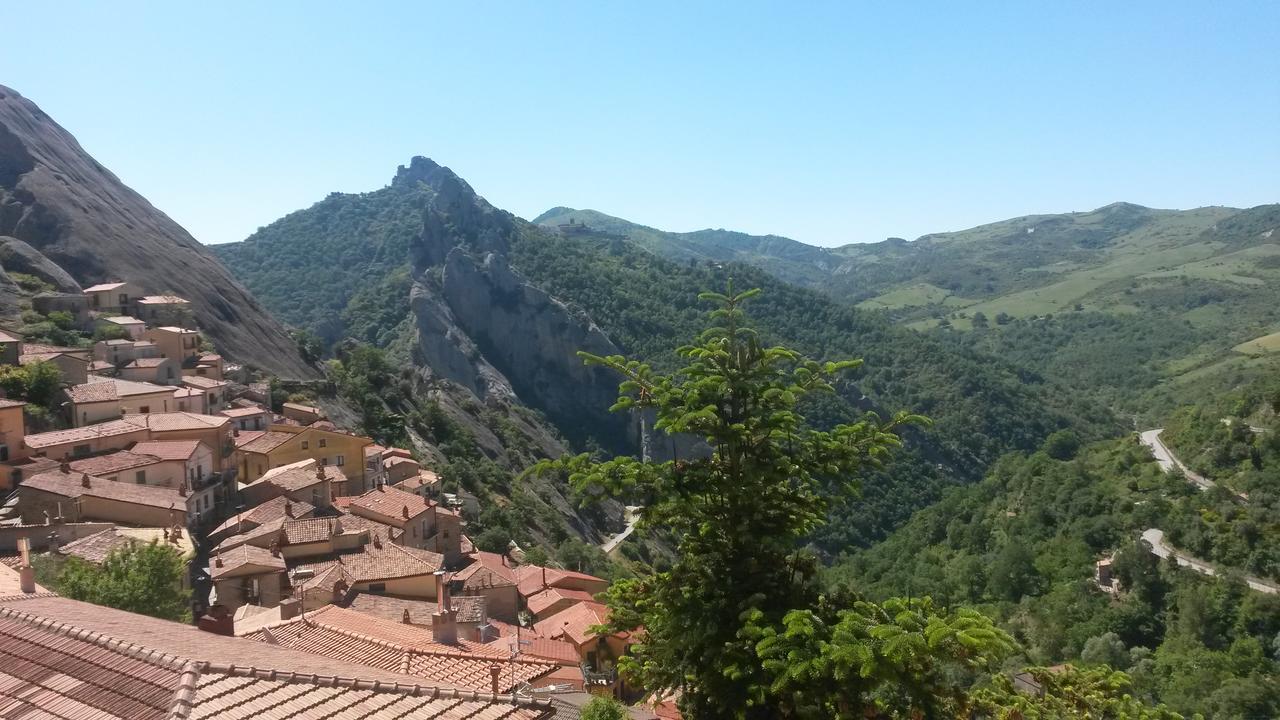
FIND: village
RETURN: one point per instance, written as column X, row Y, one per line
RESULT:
column 304, row 541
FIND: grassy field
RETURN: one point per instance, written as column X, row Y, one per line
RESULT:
column 1260, row 346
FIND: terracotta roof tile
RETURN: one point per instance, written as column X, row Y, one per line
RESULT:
column 542, row 601
column 347, row 635
column 391, row 607
column 241, row 557
column 177, row 421
column 557, row 651
column 168, row 449
column 113, row 428
column 372, row 563
column 311, row 530
column 391, row 505
column 103, row 287
column 203, row 383
column 162, row 300
column 71, row 485
column 574, row 623
column 69, row 660
column 7, row 337
column 103, row 389
column 532, row 579
column 242, row 412
column 6, row 403
column 272, row 509
column 96, row 547
column 114, row 462
column 266, row 442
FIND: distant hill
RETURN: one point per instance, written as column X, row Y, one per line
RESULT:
column 484, row 312
column 69, row 221
column 1114, row 301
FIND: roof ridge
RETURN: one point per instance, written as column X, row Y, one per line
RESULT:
column 128, row 649
column 357, row 683
column 184, row 697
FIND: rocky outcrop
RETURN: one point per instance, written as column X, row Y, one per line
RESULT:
column 82, row 219
column 17, row 256
column 534, row 340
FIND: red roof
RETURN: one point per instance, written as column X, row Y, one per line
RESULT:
column 167, row 449
column 533, row 578
column 395, row 506
column 574, row 623
column 530, row 645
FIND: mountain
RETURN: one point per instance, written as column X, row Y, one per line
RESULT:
column 1133, row 305
column 71, row 222
column 484, row 311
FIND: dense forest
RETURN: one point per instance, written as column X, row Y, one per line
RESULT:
column 1023, row 545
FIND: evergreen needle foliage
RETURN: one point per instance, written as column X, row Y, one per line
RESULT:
column 739, row 624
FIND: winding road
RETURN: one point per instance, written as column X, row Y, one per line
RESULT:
column 1154, row 537
column 633, row 517
column 1162, row 549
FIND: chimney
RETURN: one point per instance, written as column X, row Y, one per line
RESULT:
column 218, row 620
column 544, row 578
column 405, row 617
column 26, row 573
column 217, row 560
column 319, row 471
column 290, row 608
column 377, row 541
column 444, row 623
column 339, row 592
column 64, row 467
column 382, row 487
column 405, row 511
column 275, row 548
column 495, row 677
column 182, row 488
column 84, row 480
column 288, row 509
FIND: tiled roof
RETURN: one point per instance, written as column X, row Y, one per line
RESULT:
column 310, row 530
column 204, row 383
column 557, row 651
column 104, row 389
column 390, row 607
column 272, row 509
column 10, row 581
column 303, row 408
column 63, row 659
column 347, row 635
column 86, row 433
column 101, row 366
column 574, row 623
column 533, row 578
column 242, row 412
column 6, row 337
column 266, row 442
column 103, row 287
column 71, row 485
column 124, row 320
column 37, row 348
column 544, row 600
column 113, row 462
column 373, row 563
column 391, row 504
column 244, row 437
column 6, row 403
column 162, row 300
column 268, row 531
column 299, row 476
column 372, row 449
column 32, row 358
column 177, row 421
column 424, row 477
column 241, row 557
column 168, row 449
column 487, row 570
column 142, row 363
column 96, row 547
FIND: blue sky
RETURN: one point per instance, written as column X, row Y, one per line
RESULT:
column 827, row 122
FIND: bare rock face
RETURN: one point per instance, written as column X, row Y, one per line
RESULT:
column 17, row 256
column 61, row 203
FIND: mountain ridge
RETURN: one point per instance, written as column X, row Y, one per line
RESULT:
column 60, row 202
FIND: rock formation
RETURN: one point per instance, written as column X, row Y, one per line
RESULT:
column 72, row 221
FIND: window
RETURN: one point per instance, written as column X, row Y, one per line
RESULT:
column 377, row 588
column 4, row 453
column 81, row 450
column 324, row 442
column 259, row 469
column 201, row 371
column 342, row 460
column 144, row 409
column 305, row 445
column 140, row 477
column 415, row 531
column 124, row 299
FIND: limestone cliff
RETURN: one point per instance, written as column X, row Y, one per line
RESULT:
column 69, row 220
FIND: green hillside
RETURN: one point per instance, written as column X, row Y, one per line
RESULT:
column 341, row 268
column 1131, row 305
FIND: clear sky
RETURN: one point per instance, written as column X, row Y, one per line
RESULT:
column 827, row 122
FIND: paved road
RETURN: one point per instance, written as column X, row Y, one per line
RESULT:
column 1168, row 461
column 633, row 517
column 1162, row 549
